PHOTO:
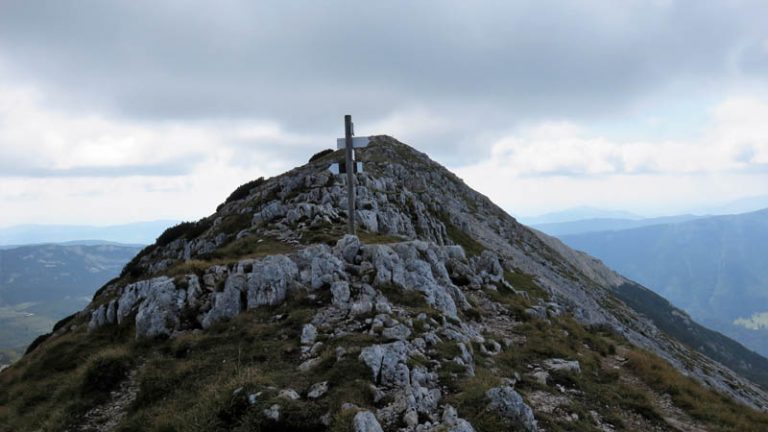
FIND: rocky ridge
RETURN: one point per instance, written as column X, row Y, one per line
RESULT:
column 441, row 286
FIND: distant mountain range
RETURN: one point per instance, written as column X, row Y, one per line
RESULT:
column 607, row 224
column 591, row 219
column 576, row 214
column 40, row 284
column 715, row 268
column 134, row 233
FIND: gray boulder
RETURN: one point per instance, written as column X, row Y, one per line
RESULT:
column 399, row 331
column 326, row 269
column 270, row 280
column 510, row 405
column 557, row 364
column 348, row 248
column 387, row 363
column 308, row 334
column 453, row 423
column 340, row 293
column 365, row 421
column 317, row 390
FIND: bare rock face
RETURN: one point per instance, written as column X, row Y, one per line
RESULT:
column 228, row 303
column 510, row 405
column 158, row 314
column 270, row 280
column 157, row 304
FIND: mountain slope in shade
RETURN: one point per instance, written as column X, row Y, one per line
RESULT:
column 41, row 284
column 714, row 268
column 442, row 314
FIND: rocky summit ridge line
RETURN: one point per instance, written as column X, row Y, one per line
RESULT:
column 445, row 314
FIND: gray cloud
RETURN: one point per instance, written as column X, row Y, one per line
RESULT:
column 484, row 66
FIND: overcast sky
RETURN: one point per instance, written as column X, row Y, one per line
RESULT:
column 115, row 112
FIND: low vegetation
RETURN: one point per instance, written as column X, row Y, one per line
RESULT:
column 700, row 403
column 243, row 191
column 321, row 154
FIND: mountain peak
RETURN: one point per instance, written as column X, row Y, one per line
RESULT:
column 444, row 313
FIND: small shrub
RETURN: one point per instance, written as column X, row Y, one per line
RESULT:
column 133, row 268
column 103, row 375
column 189, row 230
column 37, row 342
column 233, row 224
column 321, row 154
column 473, row 314
column 243, row 190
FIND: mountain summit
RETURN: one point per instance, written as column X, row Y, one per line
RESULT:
column 443, row 314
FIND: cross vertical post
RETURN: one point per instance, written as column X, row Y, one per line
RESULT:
column 348, row 132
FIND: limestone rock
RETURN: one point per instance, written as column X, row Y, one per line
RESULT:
column 326, row 269
column 270, row 280
column 290, row 394
column 453, row 423
column 365, row 421
column 398, row 331
column 340, row 293
column 557, row 364
column 348, row 248
column 159, row 312
column 227, row 303
column 317, row 390
column 273, row 412
column 387, row 363
column 308, row 334
column 509, row 404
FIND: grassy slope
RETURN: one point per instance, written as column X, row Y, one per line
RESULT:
column 189, row 383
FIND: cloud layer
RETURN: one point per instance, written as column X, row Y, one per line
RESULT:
column 154, row 94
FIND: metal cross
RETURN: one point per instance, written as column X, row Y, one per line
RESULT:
column 349, row 130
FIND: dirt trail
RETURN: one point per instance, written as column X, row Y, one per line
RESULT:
column 105, row 417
